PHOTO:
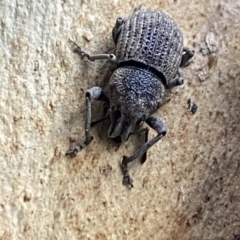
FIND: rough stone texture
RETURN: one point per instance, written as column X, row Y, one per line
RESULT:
column 188, row 188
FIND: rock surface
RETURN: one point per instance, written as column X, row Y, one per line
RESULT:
column 189, row 186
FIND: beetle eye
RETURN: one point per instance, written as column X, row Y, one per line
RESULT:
column 117, row 114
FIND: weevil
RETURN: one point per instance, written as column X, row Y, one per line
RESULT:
column 149, row 56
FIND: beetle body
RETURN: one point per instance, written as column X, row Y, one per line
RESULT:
column 149, row 56
column 152, row 40
column 149, row 48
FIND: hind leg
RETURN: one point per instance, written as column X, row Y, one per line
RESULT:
column 187, row 55
column 117, row 29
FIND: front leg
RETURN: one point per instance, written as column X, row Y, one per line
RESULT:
column 111, row 57
column 94, row 93
column 157, row 124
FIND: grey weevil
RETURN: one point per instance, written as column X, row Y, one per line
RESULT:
column 148, row 60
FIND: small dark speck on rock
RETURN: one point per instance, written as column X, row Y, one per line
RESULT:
column 192, row 106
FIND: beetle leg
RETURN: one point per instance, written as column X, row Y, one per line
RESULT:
column 144, row 156
column 178, row 81
column 157, row 124
column 111, row 57
column 145, row 131
column 117, row 29
column 187, row 55
column 94, row 93
column 98, row 121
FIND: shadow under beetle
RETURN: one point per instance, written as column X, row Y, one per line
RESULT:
column 148, row 58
